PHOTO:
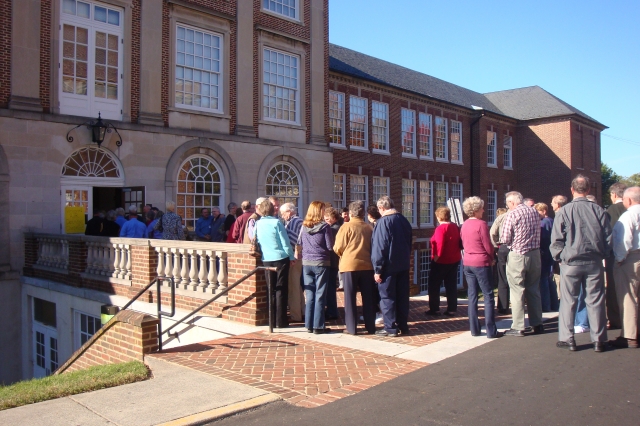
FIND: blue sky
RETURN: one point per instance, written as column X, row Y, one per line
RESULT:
column 586, row 52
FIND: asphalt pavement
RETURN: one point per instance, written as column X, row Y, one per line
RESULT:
column 514, row 381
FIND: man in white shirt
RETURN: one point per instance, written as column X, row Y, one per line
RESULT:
column 626, row 249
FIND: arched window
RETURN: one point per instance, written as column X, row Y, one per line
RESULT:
column 283, row 182
column 199, row 186
column 91, row 161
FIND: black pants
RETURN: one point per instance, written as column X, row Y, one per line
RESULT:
column 447, row 272
column 503, row 284
column 359, row 281
column 279, row 297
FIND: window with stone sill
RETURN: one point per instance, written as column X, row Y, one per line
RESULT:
column 359, row 189
column 380, row 126
column 426, row 203
column 358, row 122
column 380, row 188
column 339, row 190
column 425, row 142
column 409, row 200
column 280, row 86
column 336, row 118
column 508, row 145
column 441, row 139
column 287, row 8
column 456, row 141
column 492, row 159
column 408, row 134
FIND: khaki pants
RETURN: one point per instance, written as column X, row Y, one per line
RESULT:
column 296, row 296
column 627, row 279
column 523, row 274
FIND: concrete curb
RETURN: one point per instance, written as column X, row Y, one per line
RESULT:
column 218, row 413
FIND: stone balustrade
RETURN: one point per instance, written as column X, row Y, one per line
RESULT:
column 53, row 252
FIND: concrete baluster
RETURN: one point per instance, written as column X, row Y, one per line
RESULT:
column 202, row 276
column 213, row 272
column 222, row 273
column 193, row 270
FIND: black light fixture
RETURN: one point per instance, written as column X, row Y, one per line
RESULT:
column 99, row 130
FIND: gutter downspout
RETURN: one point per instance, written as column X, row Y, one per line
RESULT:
column 473, row 185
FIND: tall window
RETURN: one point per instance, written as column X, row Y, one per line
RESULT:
column 456, row 191
column 408, row 131
column 288, row 8
column 198, row 69
column 91, row 55
column 425, row 143
column 441, row 139
column 492, row 196
column 283, row 182
column 380, row 188
column 357, row 122
column 426, row 202
column 456, row 141
column 86, row 326
column 492, row 159
column 442, row 189
column 338, row 190
column 425, row 267
column 199, row 186
column 409, row 200
column 280, row 86
column 359, row 189
column 380, row 126
column 508, row 144
column 336, row 118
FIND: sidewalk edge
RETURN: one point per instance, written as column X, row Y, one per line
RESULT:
column 218, row 413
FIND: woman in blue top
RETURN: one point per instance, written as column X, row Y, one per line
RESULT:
column 276, row 251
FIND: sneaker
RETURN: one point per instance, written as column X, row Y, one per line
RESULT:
column 379, row 318
column 513, row 332
column 579, row 329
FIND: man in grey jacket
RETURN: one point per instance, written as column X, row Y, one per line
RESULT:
column 580, row 240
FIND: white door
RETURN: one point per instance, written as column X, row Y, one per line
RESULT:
column 45, row 350
column 77, row 196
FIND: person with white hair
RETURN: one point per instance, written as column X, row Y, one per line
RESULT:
column 293, row 224
column 170, row 224
column 250, row 227
column 133, row 228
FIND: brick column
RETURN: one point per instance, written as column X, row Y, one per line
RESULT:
column 30, row 250
column 143, row 266
column 247, row 303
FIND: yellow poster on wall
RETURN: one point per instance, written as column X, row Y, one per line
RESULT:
column 74, row 220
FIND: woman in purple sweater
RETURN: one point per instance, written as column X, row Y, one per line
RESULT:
column 316, row 239
column 478, row 259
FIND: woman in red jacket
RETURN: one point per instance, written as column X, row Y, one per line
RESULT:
column 445, row 255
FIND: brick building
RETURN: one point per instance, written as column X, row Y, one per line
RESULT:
column 226, row 100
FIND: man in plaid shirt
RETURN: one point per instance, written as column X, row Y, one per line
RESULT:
column 521, row 232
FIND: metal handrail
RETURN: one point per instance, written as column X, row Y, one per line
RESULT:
column 141, row 292
column 208, row 302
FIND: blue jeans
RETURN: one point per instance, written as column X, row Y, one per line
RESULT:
column 315, row 283
column 548, row 290
column 480, row 277
column 581, row 311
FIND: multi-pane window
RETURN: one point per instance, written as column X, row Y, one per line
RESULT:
column 338, row 190
column 288, row 8
column 359, row 190
column 508, row 145
column 456, row 191
column 409, row 200
column 380, row 126
column 91, row 58
column 441, row 138
column 425, row 266
column 456, row 141
column 199, row 186
column 442, row 189
column 424, row 136
column 86, row 326
column 492, row 159
column 492, row 196
column 336, row 118
column 426, row 202
column 280, row 86
column 283, row 181
column 198, row 69
column 357, row 122
column 408, row 131
column 380, row 188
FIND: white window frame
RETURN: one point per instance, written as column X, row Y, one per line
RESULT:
column 425, row 118
column 409, row 188
column 456, row 187
column 423, row 258
column 457, row 125
column 380, row 182
column 338, row 115
column 297, row 111
column 89, row 105
column 78, row 327
column 366, row 189
column 491, row 209
column 492, row 148
column 339, row 179
column 220, row 72
column 445, row 142
column 384, row 109
column 428, row 186
column 296, row 7
column 446, row 194
column 508, row 153
column 366, row 123
column 407, row 123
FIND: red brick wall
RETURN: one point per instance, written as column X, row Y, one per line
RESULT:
column 135, row 60
column 247, row 302
column 5, row 52
column 129, row 336
column 585, row 152
column 45, row 54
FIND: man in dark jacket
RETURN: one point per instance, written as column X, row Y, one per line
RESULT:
column 390, row 255
column 580, row 240
column 95, row 224
column 614, row 211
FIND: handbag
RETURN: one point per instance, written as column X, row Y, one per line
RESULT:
column 254, row 249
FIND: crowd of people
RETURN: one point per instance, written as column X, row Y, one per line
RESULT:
column 549, row 264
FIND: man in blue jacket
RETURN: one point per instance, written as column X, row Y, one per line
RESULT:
column 390, row 255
